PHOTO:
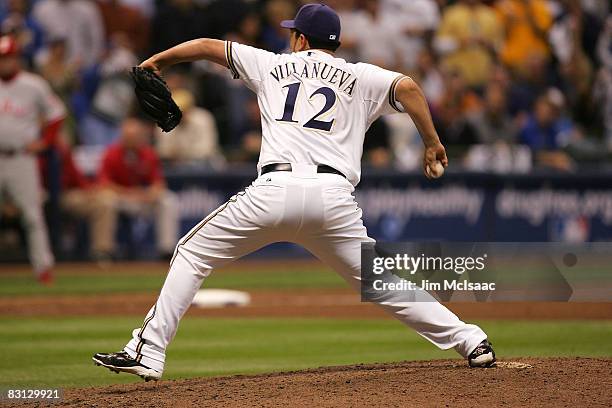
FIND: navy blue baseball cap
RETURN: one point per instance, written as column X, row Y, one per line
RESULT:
column 318, row 21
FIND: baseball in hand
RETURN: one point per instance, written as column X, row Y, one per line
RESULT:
column 436, row 170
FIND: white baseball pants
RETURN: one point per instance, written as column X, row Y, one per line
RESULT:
column 316, row 211
column 19, row 178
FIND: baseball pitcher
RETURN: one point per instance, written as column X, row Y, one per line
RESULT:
column 315, row 110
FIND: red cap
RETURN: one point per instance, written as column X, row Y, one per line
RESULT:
column 8, row 46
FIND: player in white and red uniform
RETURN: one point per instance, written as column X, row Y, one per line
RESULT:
column 315, row 110
column 30, row 117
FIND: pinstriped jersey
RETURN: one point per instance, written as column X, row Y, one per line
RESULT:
column 315, row 108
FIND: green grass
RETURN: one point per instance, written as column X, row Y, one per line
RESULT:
column 132, row 281
column 57, row 351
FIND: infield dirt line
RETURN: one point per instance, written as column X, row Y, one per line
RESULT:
column 332, row 303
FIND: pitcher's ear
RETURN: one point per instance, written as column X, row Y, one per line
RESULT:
column 303, row 42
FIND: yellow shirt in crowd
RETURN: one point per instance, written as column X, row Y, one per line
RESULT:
column 522, row 39
column 464, row 30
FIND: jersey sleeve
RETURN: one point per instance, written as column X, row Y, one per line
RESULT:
column 248, row 63
column 378, row 90
column 50, row 106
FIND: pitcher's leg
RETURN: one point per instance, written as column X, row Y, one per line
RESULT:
column 338, row 244
column 149, row 342
column 228, row 233
column 430, row 319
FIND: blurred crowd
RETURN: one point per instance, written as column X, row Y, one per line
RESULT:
column 512, row 84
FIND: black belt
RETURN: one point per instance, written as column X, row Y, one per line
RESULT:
column 321, row 168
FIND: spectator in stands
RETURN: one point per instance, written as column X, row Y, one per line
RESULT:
column 525, row 25
column 177, row 78
column 176, row 21
column 451, row 113
column 17, row 22
column 131, row 172
column 377, row 38
column 508, row 53
column 547, row 131
column 350, row 18
column 274, row 37
column 575, row 67
column 405, row 143
column 596, row 7
column 416, row 21
column 493, row 124
column 55, row 68
column 376, row 152
column 78, row 22
column 145, row 7
column 525, row 87
column 122, row 18
column 81, row 197
column 248, row 145
column 221, row 22
column 496, row 136
column 467, row 40
column 602, row 90
column 586, row 22
column 248, row 30
column 509, row 42
column 429, row 77
column 113, row 95
column 195, row 139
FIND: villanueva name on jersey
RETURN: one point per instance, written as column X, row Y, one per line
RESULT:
column 342, row 80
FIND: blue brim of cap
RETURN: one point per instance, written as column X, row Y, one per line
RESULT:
column 288, row 24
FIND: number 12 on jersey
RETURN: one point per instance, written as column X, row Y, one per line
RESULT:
column 314, row 122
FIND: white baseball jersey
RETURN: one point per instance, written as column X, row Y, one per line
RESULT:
column 26, row 102
column 315, row 108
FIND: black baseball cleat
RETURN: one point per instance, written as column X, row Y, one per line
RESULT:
column 482, row 356
column 122, row 362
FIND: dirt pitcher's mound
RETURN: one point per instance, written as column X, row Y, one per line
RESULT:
column 553, row 382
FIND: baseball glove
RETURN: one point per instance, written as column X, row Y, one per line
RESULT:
column 155, row 98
